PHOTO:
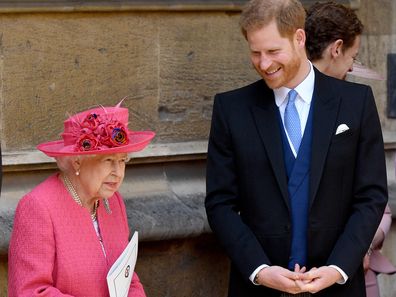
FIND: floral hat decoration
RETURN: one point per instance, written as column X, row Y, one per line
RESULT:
column 101, row 130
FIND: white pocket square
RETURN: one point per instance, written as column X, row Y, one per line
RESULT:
column 341, row 128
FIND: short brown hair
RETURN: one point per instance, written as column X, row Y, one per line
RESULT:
column 289, row 16
column 327, row 22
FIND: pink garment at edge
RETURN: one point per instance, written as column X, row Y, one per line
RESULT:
column 54, row 250
column 378, row 262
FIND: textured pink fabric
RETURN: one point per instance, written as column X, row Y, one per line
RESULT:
column 378, row 262
column 386, row 221
column 54, row 250
column 372, row 289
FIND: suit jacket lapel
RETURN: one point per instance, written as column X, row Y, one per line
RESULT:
column 326, row 106
column 265, row 116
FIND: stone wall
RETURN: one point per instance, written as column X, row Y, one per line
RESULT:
column 169, row 60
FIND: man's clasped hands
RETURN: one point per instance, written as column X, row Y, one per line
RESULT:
column 300, row 280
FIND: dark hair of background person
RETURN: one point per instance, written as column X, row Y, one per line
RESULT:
column 328, row 22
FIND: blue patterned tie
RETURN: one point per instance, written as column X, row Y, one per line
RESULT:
column 292, row 121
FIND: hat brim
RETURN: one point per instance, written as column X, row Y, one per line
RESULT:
column 138, row 141
column 360, row 70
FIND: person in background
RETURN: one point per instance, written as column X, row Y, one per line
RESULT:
column 296, row 184
column 69, row 230
column 333, row 40
column 1, row 171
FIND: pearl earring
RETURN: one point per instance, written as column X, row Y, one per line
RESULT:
column 77, row 173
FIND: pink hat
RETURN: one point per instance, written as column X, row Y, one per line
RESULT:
column 360, row 70
column 102, row 130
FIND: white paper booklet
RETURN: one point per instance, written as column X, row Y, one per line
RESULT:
column 120, row 274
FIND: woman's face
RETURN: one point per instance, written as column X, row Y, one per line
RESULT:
column 100, row 176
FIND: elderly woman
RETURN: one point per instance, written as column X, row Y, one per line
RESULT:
column 70, row 229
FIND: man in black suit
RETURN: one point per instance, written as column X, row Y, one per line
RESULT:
column 296, row 179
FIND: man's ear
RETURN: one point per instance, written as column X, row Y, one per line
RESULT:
column 336, row 48
column 300, row 37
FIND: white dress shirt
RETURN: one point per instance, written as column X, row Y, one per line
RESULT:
column 303, row 103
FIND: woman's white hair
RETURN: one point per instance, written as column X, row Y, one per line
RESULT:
column 65, row 163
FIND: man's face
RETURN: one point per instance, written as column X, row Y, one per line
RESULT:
column 344, row 61
column 274, row 57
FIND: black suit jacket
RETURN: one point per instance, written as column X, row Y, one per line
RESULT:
column 247, row 201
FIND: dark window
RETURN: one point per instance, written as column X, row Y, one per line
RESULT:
column 392, row 85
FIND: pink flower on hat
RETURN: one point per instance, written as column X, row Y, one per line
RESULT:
column 91, row 121
column 87, row 142
column 119, row 136
column 97, row 132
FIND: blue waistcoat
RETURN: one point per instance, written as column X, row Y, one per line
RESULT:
column 298, row 176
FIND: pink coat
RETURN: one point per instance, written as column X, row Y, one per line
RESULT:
column 378, row 262
column 54, row 250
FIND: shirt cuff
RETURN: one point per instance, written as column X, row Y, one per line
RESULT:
column 343, row 274
column 257, row 270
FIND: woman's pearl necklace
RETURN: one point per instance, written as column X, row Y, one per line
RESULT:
column 76, row 197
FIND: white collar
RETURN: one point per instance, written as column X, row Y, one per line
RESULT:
column 304, row 89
